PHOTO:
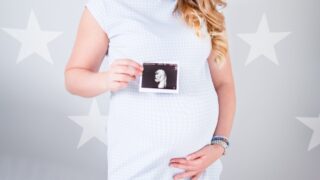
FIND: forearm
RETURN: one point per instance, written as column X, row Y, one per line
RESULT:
column 227, row 108
column 85, row 83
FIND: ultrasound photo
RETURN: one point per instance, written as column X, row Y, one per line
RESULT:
column 161, row 77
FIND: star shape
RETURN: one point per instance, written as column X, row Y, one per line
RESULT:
column 263, row 41
column 33, row 39
column 93, row 125
column 314, row 124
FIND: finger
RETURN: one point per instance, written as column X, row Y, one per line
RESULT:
column 183, row 161
column 127, row 62
column 185, row 174
column 126, row 70
column 192, row 164
column 179, row 160
column 184, row 166
column 196, row 177
column 198, row 162
column 123, row 77
column 195, row 154
column 119, row 85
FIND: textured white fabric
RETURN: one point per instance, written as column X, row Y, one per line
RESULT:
column 146, row 130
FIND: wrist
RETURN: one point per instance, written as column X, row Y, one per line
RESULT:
column 104, row 81
column 218, row 148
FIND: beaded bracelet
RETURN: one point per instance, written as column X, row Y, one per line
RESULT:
column 220, row 140
column 223, row 138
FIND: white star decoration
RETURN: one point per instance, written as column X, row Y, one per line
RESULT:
column 94, row 125
column 33, row 39
column 263, row 41
column 314, row 124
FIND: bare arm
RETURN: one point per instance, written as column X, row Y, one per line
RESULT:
column 81, row 73
column 222, row 79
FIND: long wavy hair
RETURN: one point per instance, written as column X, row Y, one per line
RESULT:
column 195, row 12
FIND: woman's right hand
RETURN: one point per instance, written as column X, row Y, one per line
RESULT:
column 121, row 72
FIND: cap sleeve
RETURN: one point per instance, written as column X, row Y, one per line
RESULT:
column 98, row 10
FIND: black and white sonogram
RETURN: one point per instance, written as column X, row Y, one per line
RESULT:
column 162, row 77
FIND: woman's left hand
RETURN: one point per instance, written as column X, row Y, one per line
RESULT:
column 195, row 163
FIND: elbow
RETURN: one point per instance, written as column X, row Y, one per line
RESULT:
column 68, row 85
column 71, row 86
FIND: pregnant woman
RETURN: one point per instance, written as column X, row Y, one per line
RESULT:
column 151, row 135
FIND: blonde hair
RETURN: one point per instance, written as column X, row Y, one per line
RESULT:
column 193, row 11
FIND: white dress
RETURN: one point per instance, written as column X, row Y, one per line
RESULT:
column 146, row 129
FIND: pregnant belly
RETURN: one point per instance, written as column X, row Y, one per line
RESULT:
column 162, row 120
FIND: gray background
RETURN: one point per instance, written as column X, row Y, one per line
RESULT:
column 38, row 140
